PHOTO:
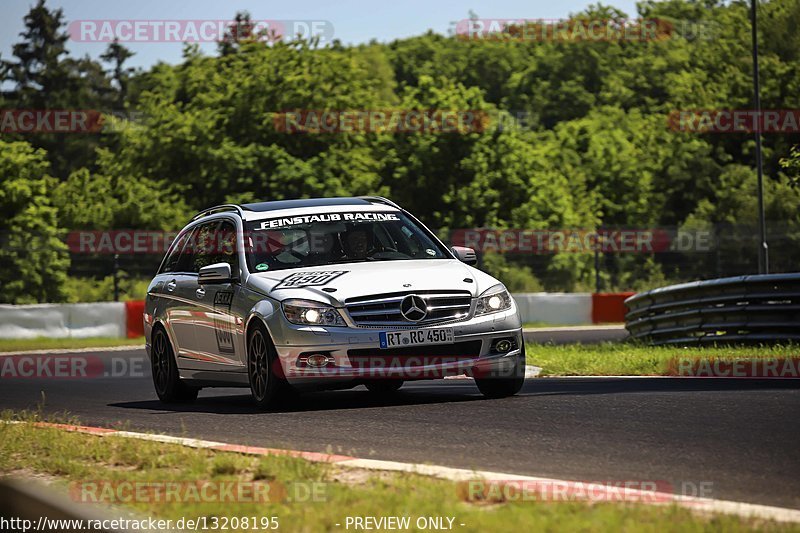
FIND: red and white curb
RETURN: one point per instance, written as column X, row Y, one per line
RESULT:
column 532, row 371
column 598, row 491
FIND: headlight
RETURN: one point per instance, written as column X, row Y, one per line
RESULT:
column 308, row 312
column 494, row 300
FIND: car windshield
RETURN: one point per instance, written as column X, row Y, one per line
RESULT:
column 334, row 238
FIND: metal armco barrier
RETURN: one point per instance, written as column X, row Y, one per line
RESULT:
column 742, row 309
column 100, row 319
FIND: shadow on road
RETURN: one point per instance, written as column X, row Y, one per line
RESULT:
column 359, row 398
column 221, row 401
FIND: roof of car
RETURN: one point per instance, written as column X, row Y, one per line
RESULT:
column 278, row 205
column 261, row 210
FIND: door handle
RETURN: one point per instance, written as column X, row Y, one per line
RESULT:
column 171, row 285
column 200, row 292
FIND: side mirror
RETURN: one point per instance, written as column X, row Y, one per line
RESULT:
column 465, row 255
column 216, row 273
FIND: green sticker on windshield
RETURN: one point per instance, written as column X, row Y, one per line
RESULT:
column 262, row 267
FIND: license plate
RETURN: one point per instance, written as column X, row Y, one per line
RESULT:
column 418, row 337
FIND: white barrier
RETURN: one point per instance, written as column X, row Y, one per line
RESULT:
column 108, row 319
column 104, row 319
column 555, row 307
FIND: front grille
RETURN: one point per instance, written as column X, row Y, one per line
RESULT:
column 414, row 355
column 384, row 309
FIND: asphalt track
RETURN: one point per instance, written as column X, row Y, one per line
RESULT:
column 738, row 437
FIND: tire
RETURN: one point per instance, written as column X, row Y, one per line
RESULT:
column 167, row 382
column 384, row 386
column 265, row 386
column 505, row 385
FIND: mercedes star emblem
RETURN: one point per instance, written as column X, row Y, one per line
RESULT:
column 413, row 308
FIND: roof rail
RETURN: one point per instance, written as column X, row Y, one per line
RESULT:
column 380, row 200
column 218, row 209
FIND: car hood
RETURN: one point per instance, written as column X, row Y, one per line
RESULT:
column 351, row 280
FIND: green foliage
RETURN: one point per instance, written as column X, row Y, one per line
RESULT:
column 210, row 124
column 515, row 278
column 102, row 290
column 117, row 55
column 734, row 200
column 33, row 259
column 791, row 165
column 634, row 359
column 39, row 72
column 733, row 212
column 71, row 458
column 578, row 136
column 41, row 75
column 111, row 200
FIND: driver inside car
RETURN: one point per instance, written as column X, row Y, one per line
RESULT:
column 356, row 243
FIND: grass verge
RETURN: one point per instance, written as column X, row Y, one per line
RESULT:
column 65, row 459
column 44, row 343
column 615, row 359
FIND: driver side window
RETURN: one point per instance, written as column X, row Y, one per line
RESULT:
column 202, row 242
column 225, row 250
column 215, row 242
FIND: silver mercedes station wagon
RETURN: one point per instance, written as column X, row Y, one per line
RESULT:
column 324, row 293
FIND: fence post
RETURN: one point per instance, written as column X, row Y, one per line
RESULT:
column 116, row 277
column 597, row 245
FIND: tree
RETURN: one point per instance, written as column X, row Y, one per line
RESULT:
column 42, row 76
column 39, row 76
column 791, row 165
column 116, row 55
column 33, row 259
column 585, row 141
column 209, row 123
column 236, row 34
column 732, row 214
column 108, row 199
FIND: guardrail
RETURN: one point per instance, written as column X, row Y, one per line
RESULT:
column 742, row 309
column 100, row 319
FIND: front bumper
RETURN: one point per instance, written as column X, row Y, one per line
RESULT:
column 355, row 352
